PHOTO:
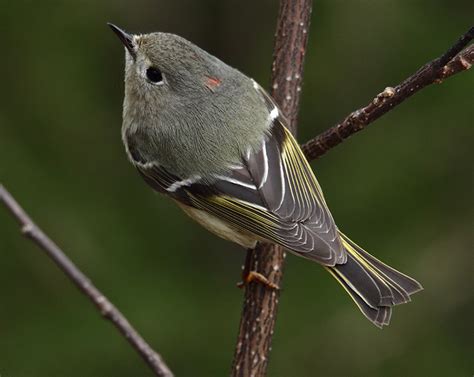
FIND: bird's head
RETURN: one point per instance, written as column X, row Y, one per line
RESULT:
column 164, row 67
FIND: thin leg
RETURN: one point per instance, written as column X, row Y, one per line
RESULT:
column 254, row 276
column 249, row 275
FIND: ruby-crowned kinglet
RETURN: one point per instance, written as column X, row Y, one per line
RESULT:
column 212, row 139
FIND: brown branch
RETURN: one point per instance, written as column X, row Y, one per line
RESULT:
column 260, row 302
column 461, row 62
column 102, row 303
column 453, row 61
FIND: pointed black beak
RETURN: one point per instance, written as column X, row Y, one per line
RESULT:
column 127, row 39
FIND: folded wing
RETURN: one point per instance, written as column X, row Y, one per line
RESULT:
column 273, row 194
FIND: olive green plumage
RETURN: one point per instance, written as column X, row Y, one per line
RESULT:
column 172, row 120
column 214, row 141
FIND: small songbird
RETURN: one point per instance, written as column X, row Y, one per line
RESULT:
column 210, row 138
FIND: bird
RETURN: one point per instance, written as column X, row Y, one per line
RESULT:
column 214, row 141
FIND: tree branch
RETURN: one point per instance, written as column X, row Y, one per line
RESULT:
column 102, row 303
column 453, row 61
column 260, row 302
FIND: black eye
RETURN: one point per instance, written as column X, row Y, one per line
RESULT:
column 154, row 75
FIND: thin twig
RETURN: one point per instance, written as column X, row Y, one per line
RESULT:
column 106, row 308
column 261, row 303
column 461, row 62
column 453, row 61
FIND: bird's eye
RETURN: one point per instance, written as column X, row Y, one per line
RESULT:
column 154, row 75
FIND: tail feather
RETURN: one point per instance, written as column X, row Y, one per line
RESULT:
column 374, row 286
column 409, row 284
column 379, row 316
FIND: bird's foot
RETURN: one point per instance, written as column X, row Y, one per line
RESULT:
column 257, row 277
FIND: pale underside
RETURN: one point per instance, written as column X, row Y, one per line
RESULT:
column 219, row 227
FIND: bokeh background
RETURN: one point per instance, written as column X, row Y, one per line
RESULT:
column 402, row 189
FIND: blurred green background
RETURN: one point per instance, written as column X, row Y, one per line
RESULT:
column 402, row 189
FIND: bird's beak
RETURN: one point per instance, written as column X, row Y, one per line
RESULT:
column 127, row 39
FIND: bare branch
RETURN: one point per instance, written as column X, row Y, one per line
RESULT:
column 261, row 303
column 461, row 62
column 102, row 303
column 453, row 61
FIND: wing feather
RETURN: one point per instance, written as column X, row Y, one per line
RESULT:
column 273, row 194
column 283, row 206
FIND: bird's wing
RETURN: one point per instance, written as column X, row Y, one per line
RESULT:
column 276, row 196
column 273, row 194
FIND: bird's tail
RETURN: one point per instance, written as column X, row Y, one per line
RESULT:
column 374, row 286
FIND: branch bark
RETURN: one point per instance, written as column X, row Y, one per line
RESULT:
column 102, row 303
column 260, row 302
column 453, row 61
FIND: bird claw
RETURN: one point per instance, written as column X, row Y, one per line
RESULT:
column 254, row 276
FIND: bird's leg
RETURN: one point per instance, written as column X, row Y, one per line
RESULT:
column 249, row 276
column 257, row 277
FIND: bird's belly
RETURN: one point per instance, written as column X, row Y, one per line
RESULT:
column 220, row 227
